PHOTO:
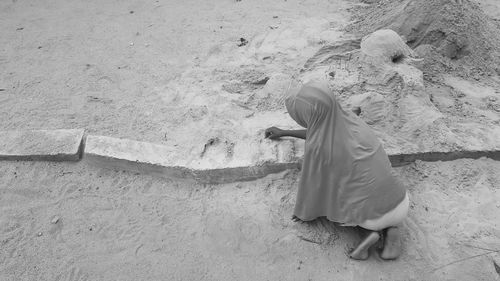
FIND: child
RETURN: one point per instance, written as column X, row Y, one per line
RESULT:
column 346, row 174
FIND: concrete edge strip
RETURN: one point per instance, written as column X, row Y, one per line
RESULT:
column 209, row 176
column 123, row 154
column 42, row 145
column 249, row 173
column 398, row 160
column 144, row 157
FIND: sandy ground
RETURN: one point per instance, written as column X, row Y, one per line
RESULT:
column 121, row 226
column 154, row 71
column 109, row 66
column 490, row 7
column 147, row 71
column 174, row 74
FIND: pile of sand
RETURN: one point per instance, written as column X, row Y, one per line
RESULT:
column 384, row 79
column 453, row 35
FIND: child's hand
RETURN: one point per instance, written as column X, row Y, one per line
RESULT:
column 273, row 133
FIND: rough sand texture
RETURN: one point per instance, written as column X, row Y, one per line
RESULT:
column 47, row 145
column 151, row 71
column 451, row 100
column 121, row 226
column 409, row 113
column 459, row 30
column 172, row 73
column 490, row 7
column 212, row 101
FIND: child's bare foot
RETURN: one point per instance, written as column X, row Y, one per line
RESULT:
column 361, row 251
column 392, row 244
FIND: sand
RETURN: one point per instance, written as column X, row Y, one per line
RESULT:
column 150, row 71
column 122, row 226
column 409, row 112
column 459, row 30
column 178, row 74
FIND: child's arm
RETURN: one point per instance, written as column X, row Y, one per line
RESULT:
column 276, row 133
column 301, row 134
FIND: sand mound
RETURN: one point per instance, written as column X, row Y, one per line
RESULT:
column 385, row 44
column 383, row 77
column 458, row 30
column 397, row 98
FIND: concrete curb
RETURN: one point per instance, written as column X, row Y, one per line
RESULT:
column 42, row 145
column 144, row 157
column 398, row 160
column 209, row 176
column 249, row 173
